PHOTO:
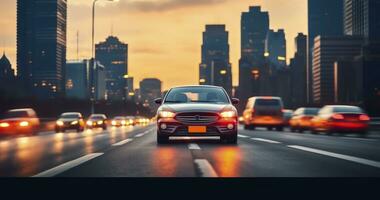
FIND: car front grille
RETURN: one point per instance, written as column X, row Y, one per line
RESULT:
column 197, row 118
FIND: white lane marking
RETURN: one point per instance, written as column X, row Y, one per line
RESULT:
column 68, row 165
column 362, row 139
column 122, row 142
column 193, row 146
column 243, row 136
column 265, row 140
column 336, row 155
column 205, row 168
column 140, row 135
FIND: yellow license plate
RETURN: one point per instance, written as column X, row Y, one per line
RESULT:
column 197, row 129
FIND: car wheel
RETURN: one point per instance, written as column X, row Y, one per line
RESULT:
column 293, row 129
column 314, row 132
column 300, row 130
column 231, row 139
column 104, row 127
column 269, row 128
column 162, row 139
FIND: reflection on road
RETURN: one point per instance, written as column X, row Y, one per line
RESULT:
column 25, row 156
column 227, row 160
column 165, row 161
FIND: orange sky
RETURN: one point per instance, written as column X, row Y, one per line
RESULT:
column 164, row 36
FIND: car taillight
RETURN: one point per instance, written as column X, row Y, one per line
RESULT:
column 338, row 116
column 364, row 118
column 4, row 125
column 24, row 124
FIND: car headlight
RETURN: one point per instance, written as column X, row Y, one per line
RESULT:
column 74, row 123
column 166, row 114
column 100, row 122
column 24, row 124
column 228, row 114
column 4, row 124
column 113, row 123
column 60, row 123
column 89, row 123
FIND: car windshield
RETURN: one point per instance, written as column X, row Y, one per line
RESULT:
column 311, row 111
column 69, row 116
column 268, row 102
column 97, row 117
column 16, row 114
column 197, row 95
column 347, row 110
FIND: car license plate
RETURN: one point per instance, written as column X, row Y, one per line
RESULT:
column 197, row 129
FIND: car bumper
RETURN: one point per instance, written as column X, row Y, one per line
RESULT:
column 174, row 128
column 348, row 127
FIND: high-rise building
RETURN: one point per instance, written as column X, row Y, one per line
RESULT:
column 328, row 50
column 41, row 46
column 252, row 64
column 215, row 68
column 361, row 18
column 275, row 49
column 6, row 71
column 150, row 89
column 77, row 79
column 324, row 19
column 298, row 66
column 113, row 54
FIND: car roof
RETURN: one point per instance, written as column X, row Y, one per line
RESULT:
column 71, row 113
column 21, row 109
column 266, row 97
column 200, row 86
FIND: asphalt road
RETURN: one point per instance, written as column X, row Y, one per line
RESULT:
column 133, row 152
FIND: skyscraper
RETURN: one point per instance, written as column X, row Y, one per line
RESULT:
column 298, row 67
column 328, row 50
column 41, row 46
column 113, row 54
column 150, row 89
column 325, row 18
column 254, row 30
column 77, row 79
column 361, row 18
column 275, row 49
column 215, row 68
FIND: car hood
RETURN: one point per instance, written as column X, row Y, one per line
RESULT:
column 196, row 107
column 15, row 119
column 68, row 120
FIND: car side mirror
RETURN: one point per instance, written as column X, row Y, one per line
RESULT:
column 235, row 101
column 158, row 101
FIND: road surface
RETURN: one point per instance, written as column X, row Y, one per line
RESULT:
column 133, row 152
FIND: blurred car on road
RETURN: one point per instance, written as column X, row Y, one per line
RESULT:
column 339, row 119
column 130, row 120
column 119, row 121
column 70, row 121
column 287, row 116
column 197, row 111
column 301, row 119
column 19, row 121
column 97, row 121
column 264, row 112
column 141, row 120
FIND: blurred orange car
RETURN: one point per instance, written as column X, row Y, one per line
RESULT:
column 19, row 121
column 301, row 119
column 331, row 119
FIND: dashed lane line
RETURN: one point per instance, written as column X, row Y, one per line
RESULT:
column 266, row 140
column 340, row 156
column 205, row 168
column 194, row 146
column 123, row 142
column 68, row 165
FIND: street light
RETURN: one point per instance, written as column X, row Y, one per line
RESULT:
column 93, row 47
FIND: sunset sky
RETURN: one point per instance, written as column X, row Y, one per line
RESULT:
column 164, row 36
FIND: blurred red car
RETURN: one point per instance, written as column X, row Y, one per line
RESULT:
column 301, row 119
column 19, row 121
column 331, row 119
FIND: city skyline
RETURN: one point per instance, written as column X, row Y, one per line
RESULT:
column 147, row 54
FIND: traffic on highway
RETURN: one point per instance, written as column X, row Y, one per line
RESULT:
column 196, row 132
